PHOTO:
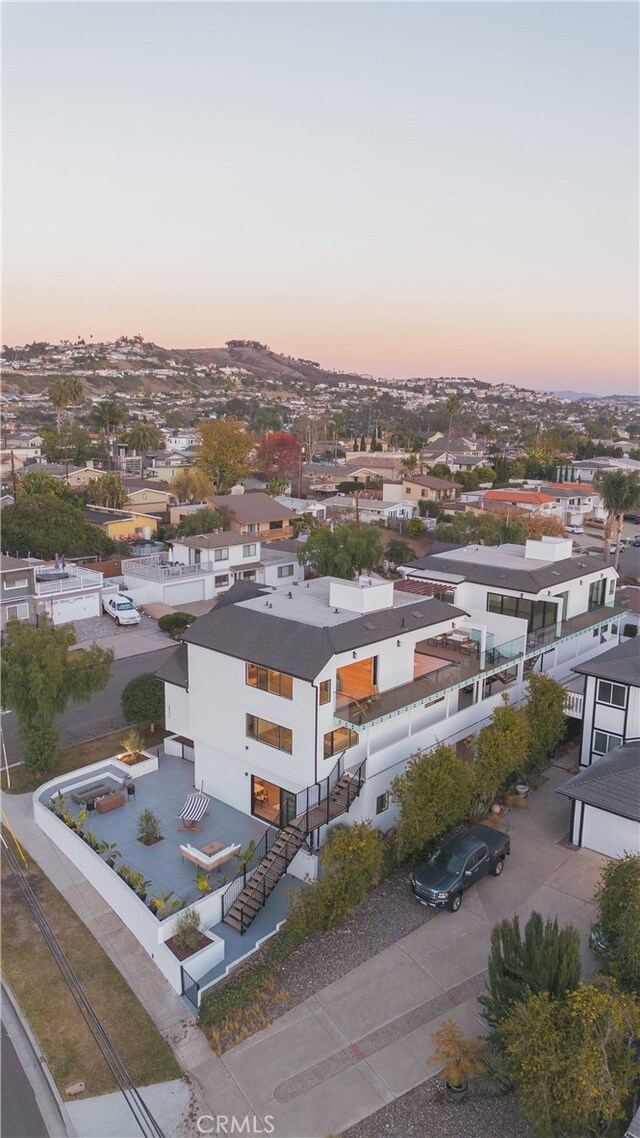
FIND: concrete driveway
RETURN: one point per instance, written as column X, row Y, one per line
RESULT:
column 125, row 640
column 365, row 1039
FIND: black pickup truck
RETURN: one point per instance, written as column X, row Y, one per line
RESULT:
column 458, row 864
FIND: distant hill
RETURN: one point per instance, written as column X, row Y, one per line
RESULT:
column 261, row 361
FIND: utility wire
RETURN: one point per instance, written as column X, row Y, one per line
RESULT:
column 147, row 1124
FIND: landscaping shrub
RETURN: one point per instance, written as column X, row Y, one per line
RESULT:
column 502, row 749
column 188, row 930
column 148, row 827
column 617, row 902
column 142, row 699
column 434, row 793
column 547, row 722
column 415, row 528
column 350, row 864
column 544, row 958
column 175, row 622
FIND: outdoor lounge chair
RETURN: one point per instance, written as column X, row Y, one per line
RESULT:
column 207, row 862
column 194, row 811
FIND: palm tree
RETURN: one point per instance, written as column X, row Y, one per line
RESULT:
column 63, row 391
column 142, row 437
column 454, row 406
column 619, row 492
column 107, row 416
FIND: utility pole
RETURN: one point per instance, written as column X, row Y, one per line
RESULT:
column 14, row 476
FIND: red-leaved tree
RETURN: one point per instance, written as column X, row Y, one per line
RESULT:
column 278, row 455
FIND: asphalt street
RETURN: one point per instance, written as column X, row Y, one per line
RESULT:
column 20, row 1115
column 101, row 715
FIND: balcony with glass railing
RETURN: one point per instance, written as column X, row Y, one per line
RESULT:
column 454, row 673
column 592, row 618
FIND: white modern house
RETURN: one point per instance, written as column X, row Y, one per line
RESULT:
column 301, row 705
column 63, row 592
column 202, row 567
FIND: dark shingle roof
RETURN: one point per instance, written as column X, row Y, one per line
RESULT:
column 610, row 783
column 174, row 668
column 526, row 580
column 301, row 649
column 253, row 506
column 621, row 664
column 213, row 540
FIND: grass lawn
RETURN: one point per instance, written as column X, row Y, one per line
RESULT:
column 81, row 755
column 65, row 1039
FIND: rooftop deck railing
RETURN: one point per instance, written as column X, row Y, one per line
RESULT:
column 48, row 582
column 593, row 617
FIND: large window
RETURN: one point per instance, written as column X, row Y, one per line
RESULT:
column 597, row 593
column 613, row 694
column 603, row 742
column 16, row 583
column 270, row 733
column 221, row 555
column 18, row 612
column 221, row 581
column 278, row 683
column 538, row 614
column 285, row 570
column 339, row 740
column 275, row 525
column 248, row 550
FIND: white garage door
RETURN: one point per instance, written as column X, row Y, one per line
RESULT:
column 607, row 834
column 181, row 594
column 75, row 608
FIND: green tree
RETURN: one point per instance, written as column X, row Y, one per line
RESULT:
column 350, row 864
column 545, row 713
column 142, row 437
column 64, row 391
column 43, row 526
column 106, row 490
column 477, row 529
column 415, row 527
column 433, row 793
column 224, row 451
column 200, row 521
column 343, row 552
column 71, row 443
column 573, row 1060
column 191, row 486
column 617, row 902
column 40, row 484
column 399, row 552
column 545, row 958
column 620, row 492
column 39, row 678
column 142, row 699
column 108, row 415
column 174, row 420
column 502, row 749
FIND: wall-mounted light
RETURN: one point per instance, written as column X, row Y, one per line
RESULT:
column 399, row 643
column 355, row 655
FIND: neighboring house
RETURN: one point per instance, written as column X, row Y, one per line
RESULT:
column 301, row 506
column 26, row 445
column 293, row 697
column 387, row 466
column 610, row 703
column 455, row 460
column 153, row 496
column 323, row 477
column 575, row 501
column 255, row 514
column 181, row 440
column 605, row 808
column 10, row 464
column 30, row 589
column 122, row 525
column 419, row 487
column 371, row 510
column 532, row 501
column 164, row 464
column 203, row 567
column 585, row 468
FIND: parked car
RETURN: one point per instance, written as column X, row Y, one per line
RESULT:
column 574, row 529
column 458, row 864
column 599, row 943
column 121, row 608
column 632, row 518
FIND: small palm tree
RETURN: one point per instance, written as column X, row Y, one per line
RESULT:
column 63, row 391
column 619, row 492
column 454, row 406
column 142, row 437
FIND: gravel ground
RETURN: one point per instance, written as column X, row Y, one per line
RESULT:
column 425, row 1112
column 388, row 914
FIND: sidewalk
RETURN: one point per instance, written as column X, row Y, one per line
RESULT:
column 364, row 1039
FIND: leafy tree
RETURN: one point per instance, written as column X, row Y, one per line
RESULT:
column 441, row 470
column 39, row 678
column 201, row 521
column 479, row 529
column 63, row 391
column 343, row 552
column 40, row 484
column 351, row 864
column 410, row 463
column 541, row 525
column 620, row 492
column 108, row 415
column 142, row 699
column 191, row 486
column 142, row 437
column 547, row 723
column 573, row 1060
column 502, row 748
column 42, row 527
column 544, row 958
column 174, row 420
column 617, row 902
column 434, row 792
column 415, row 527
column 278, row 455
column 106, row 490
column 399, row 552
column 70, row 444
column 430, row 509
column 224, row 451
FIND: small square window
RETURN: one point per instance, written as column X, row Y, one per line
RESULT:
column 382, row 802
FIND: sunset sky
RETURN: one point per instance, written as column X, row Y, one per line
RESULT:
column 399, row 189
